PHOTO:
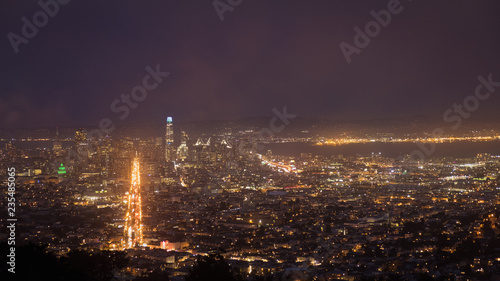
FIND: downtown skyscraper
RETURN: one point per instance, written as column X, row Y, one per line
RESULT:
column 169, row 141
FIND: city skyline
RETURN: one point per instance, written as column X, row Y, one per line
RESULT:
column 238, row 140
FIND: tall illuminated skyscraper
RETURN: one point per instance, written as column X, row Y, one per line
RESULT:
column 81, row 143
column 183, row 150
column 133, row 225
column 169, row 141
column 57, row 145
column 80, row 136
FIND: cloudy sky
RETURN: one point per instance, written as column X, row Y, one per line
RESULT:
column 264, row 54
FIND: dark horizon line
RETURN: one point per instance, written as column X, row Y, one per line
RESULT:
column 255, row 118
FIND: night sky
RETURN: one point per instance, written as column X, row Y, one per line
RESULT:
column 264, row 54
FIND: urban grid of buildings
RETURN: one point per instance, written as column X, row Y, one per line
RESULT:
column 313, row 217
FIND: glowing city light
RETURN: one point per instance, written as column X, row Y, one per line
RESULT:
column 133, row 227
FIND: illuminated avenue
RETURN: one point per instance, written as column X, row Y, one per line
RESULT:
column 133, row 225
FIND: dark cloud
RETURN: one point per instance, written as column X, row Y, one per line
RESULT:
column 264, row 54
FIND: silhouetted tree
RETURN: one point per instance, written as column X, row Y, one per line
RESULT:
column 212, row 268
column 35, row 262
column 157, row 275
column 99, row 266
column 32, row 262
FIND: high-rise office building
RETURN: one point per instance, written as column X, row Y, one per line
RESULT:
column 182, row 150
column 169, row 141
column 80, row 136
column 57, row 145
column 81, row 143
